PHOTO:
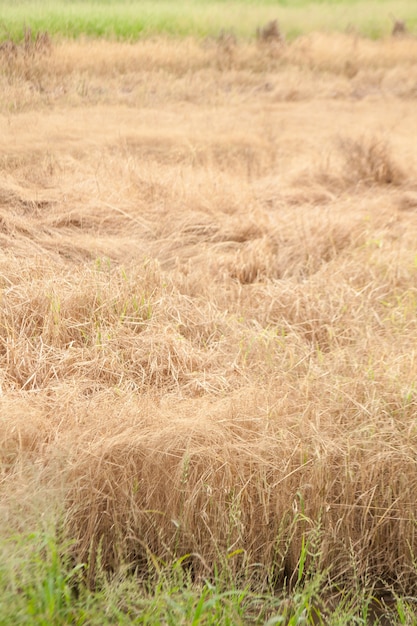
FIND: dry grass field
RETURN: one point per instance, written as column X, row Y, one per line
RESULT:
column 208, row 323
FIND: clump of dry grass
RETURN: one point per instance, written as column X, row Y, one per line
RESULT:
column 227, row 45
column 358, row 163
column 29, row 47
column 234, row 478
column 22, row 59
column 399, row 28
column 369, row 162
column 206, row 325
column 271, row 32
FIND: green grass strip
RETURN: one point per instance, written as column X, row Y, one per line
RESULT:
column 133, row 19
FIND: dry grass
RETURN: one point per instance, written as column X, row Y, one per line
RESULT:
column 208, row 302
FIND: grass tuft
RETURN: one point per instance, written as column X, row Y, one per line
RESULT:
column 369, row 162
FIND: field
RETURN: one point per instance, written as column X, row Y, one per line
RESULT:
column 208, row 324
column 130, row 19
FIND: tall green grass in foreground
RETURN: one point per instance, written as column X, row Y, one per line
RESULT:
column 40, row 585
column 132, row 19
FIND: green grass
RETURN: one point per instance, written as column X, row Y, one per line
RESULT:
column 130, row 19
column 40, row 585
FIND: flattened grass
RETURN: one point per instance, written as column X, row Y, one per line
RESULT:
column 208, row 312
